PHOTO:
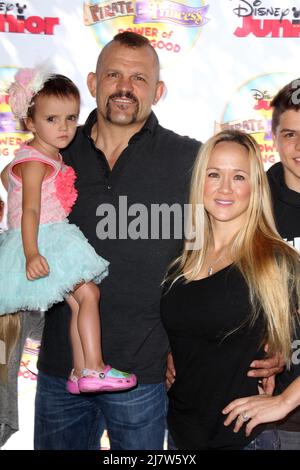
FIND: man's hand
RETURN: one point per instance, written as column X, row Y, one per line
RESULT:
column 170, row 373
column 267, row 369
column 266, row 386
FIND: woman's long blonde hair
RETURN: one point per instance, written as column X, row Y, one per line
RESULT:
column 10, row 326
column 269, row 265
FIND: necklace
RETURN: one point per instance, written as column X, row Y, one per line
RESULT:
column 210, row 270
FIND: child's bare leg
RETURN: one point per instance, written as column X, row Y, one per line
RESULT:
column 78, row 357
column 88, row 297
column 98, row 377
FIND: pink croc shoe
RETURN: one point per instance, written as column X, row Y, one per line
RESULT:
column 108, row 380
column 72, row 384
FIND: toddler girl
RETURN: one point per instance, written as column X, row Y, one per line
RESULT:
column 43, row 258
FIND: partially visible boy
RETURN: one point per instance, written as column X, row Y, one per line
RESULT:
column 284, row 179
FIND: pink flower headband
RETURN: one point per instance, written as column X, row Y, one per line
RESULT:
column 28, row 82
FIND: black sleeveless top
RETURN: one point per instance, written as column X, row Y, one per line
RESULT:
column 213, row 344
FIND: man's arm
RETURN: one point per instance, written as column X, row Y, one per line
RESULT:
column 264, row 368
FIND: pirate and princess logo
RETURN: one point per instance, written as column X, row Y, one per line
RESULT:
column 171, row 27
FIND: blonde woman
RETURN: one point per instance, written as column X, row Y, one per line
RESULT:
column 224, row 301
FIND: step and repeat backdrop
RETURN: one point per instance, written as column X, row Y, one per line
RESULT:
column 222, row 62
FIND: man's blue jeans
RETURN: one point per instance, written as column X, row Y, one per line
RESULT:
column 267, row 440
column 134, row 419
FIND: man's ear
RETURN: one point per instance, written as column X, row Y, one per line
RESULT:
column 274, row 140
column 160, row 89
column 92, row 83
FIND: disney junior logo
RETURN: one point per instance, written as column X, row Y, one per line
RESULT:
column 265, row 20
column 13, row 20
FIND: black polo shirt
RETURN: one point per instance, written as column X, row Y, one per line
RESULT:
column 113, row 210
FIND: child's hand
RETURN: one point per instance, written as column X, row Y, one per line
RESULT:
column 36, row 267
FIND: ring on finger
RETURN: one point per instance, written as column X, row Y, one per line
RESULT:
column 244, row 416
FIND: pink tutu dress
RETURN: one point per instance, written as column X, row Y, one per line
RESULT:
column 70, row 257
